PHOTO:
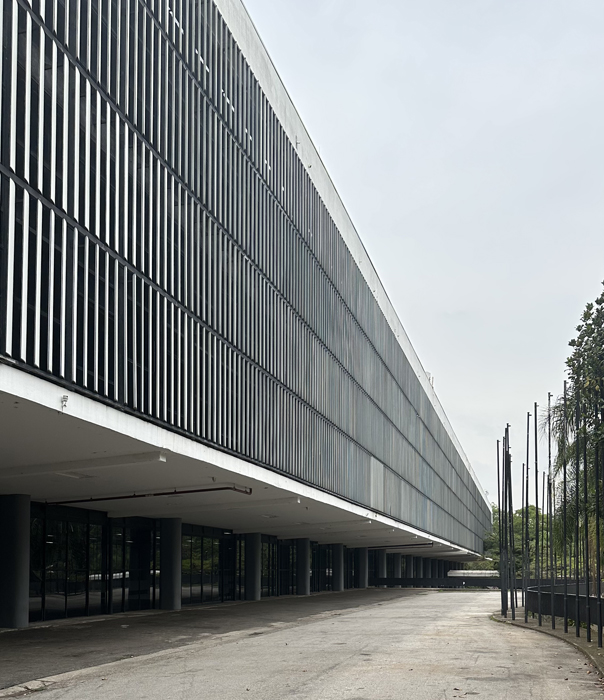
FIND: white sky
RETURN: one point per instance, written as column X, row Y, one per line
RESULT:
column 466, row 139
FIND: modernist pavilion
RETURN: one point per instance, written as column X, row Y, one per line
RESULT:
column 205, row 392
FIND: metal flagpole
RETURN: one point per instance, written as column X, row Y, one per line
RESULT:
column 537, row 568
column 542, row 531
column 498, row 496
column 597, row 496
column 527, row 548
column 550, row 509
column 577, row 458
column 512, row 571
column 522, row 540
column 564, row 496
column 501, row 543
column 506, row 532
column 586, row 531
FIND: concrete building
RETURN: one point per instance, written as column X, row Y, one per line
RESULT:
column 205, row 392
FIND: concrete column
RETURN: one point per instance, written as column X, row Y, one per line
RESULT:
column 303, row 566
column 398, row 566
column 253, row 566
column 14, row 557
column 419, row 567
column 409, row 568
column 170, row 564
column 337, row 581
column 363, row 577
column 382, row 567
column 427, row 568
column 441, row 568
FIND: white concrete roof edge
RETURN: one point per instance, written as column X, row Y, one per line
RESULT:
column 45, row 393
column 250, row 42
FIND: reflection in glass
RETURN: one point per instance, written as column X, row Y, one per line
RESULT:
column 95, row 571
column 186, row 569
column 55, row 548
column 36, row 569
column 77, row 567
column 206, row 572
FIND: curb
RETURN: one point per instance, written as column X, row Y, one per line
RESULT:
column 597, row 660
column 16, row 691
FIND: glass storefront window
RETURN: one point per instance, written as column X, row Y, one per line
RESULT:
column 206, row 577
column 96, row 589
column 36, row 570
column 55, row 548
column 77, row 568
column 84, row 564
column 209, row 565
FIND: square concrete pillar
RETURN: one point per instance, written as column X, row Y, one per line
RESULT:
column 170, row 564
column 337, row 553
column 15, row 513
column 382, row 565
column 398, row 566
column 363, row 574
column 303, row 566
column 253, row 566
column 409, row 566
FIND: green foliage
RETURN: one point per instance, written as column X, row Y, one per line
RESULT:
column 491, row 541
column 579, row 448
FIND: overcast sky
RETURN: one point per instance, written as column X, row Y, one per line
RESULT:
column 466, row 139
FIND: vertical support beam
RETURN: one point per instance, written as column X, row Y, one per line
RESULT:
column 419, row 567
column 253, row 566
column 441, row 568
column 382, row 568
column 337, row 551
column 14, row 558
column 170, row 564
column 398, row 566
column 409, row 566
column 303, row 566
column 363, row 567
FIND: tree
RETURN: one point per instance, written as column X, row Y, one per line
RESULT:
column 492, row 545
column 578, row 434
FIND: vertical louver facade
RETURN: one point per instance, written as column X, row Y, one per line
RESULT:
column 164, row 249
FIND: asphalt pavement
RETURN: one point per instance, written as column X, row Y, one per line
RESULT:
column 359, row 645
